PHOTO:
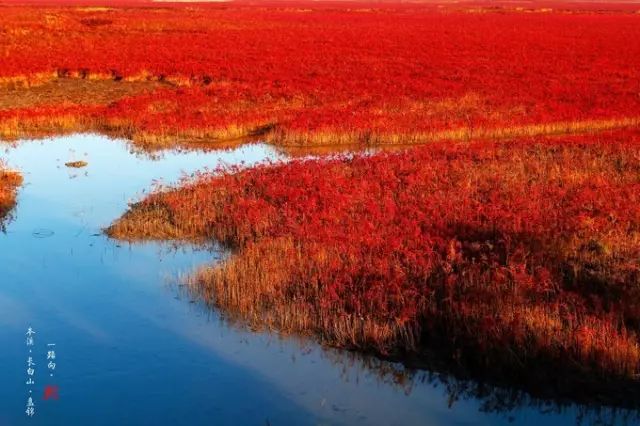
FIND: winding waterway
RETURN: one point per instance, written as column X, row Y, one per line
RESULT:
column 132, row 348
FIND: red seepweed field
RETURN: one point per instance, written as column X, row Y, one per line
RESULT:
column 515, row 259
column 509, row 241
column 321, row 74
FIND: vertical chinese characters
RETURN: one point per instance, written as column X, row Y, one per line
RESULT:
column 31, row 371
column 51, row 358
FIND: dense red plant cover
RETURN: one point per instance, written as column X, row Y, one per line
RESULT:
column 513, row 256
column 507, row 255
column 316, row 73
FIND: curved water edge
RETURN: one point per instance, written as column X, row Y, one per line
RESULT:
column 154, row 353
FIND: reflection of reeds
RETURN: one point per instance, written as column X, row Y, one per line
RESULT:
column 517, row 260
column 588, row 409
column 505, row 398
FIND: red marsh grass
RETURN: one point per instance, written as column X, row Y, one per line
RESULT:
column 9, row 181
column 517, row 260
column 406, row 74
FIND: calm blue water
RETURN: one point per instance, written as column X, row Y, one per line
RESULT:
column 132, row 349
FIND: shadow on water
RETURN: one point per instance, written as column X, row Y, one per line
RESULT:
column 134, row 351
column 456, row 388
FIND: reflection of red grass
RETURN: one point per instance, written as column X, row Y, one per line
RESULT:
column 512, row 254
column 316, row 73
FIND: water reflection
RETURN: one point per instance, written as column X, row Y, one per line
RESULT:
column 134, row 348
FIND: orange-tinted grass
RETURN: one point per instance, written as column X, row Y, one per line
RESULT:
column 64, row 119
column 9, row 181
column 517, row 259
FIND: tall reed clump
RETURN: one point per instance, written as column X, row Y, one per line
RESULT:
column 9, row 181
column 513, row 259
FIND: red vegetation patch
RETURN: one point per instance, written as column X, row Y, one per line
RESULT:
column 314, row 73
column 9, row 181
column 511, row 258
